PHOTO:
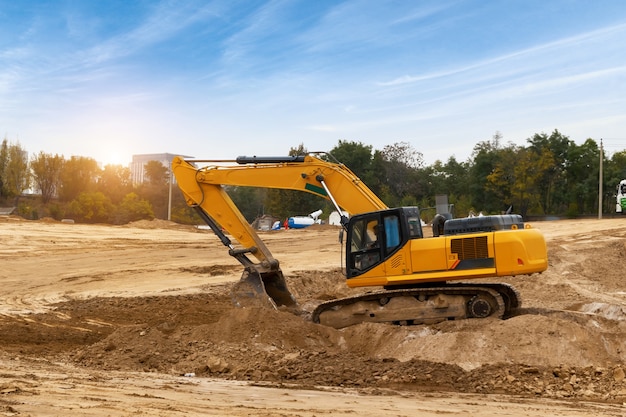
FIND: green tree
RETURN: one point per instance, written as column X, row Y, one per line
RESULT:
column 251, row 201
column 451, row 179
column 155, row 188
column 16, row 172
column 4, row 161
column 366, row 164
column 501, row 180
column 516, row 176
column 358, row 158
column 614, row 170
column 530, row 172
column 133, row 208
column 115, row 182
column 91, row 207
column 401, row 165
column 78, row 175
column 553, row 183
column 46, row 170
column 582, row 177
column 527, row 172
column 156, row 173
column 182, row 213
column 354, row 155
column 486, row 156
column 435, row 179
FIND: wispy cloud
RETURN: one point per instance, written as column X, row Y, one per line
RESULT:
column 164, row 22
column 523, row 59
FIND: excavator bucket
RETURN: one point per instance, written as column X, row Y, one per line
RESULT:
column 262, row 289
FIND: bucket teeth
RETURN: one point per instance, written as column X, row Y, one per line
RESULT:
column 256, row 289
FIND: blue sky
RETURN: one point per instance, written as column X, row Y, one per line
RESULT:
column 217, row 79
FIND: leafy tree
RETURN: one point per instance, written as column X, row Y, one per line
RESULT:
column 530, row 171
column 436, row 178
column 516, row 176
column 354, row 155
column 485, row 159
column 91, row 207
column 366, row 164
column 156, row 173
column 451, row 179
column 614, row 171
column 156, row 187
column 78, row 175
column 251, row 201
column 46, row 170
column 401, row 167
column 16, row 172
column 582, row 177
column 115, row 182
column 133, row 208
column 358, row 158
column 526, row 173
column 616, row 168
column 501, row 180
column 456, row 175
column 4, row 161
column 373, row 177
column 553, row 183
column 403, row 154
column 182, row 213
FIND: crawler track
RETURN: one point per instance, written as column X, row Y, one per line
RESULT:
column 421, row 305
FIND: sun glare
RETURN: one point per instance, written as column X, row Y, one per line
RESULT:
column 115, row 159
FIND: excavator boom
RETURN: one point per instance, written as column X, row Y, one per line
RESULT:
column 263, row 281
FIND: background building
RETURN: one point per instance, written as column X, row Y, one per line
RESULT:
column 139, row 162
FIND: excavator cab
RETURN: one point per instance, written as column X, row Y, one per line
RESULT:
column 375, row 237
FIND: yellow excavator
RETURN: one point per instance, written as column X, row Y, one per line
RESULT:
column 385, row 247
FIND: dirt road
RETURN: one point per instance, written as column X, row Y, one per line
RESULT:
column 100, row 320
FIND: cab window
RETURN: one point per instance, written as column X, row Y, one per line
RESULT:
column 392, row 233
column 365, row 244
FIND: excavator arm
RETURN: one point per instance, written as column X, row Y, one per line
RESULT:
column 203, row 188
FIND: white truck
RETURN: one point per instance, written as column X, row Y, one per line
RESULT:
column 620, row 206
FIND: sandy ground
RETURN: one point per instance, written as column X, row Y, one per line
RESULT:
column 103, row 321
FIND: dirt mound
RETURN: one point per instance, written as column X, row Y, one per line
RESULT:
column 542, row 352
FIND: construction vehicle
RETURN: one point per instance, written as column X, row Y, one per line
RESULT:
column 385, row 247
column 620, row 206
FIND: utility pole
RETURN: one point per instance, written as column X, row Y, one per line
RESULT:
column 600, row 181
column 169, row 196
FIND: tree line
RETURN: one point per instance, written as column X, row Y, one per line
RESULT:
column 79, row 189
column 550, row 175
